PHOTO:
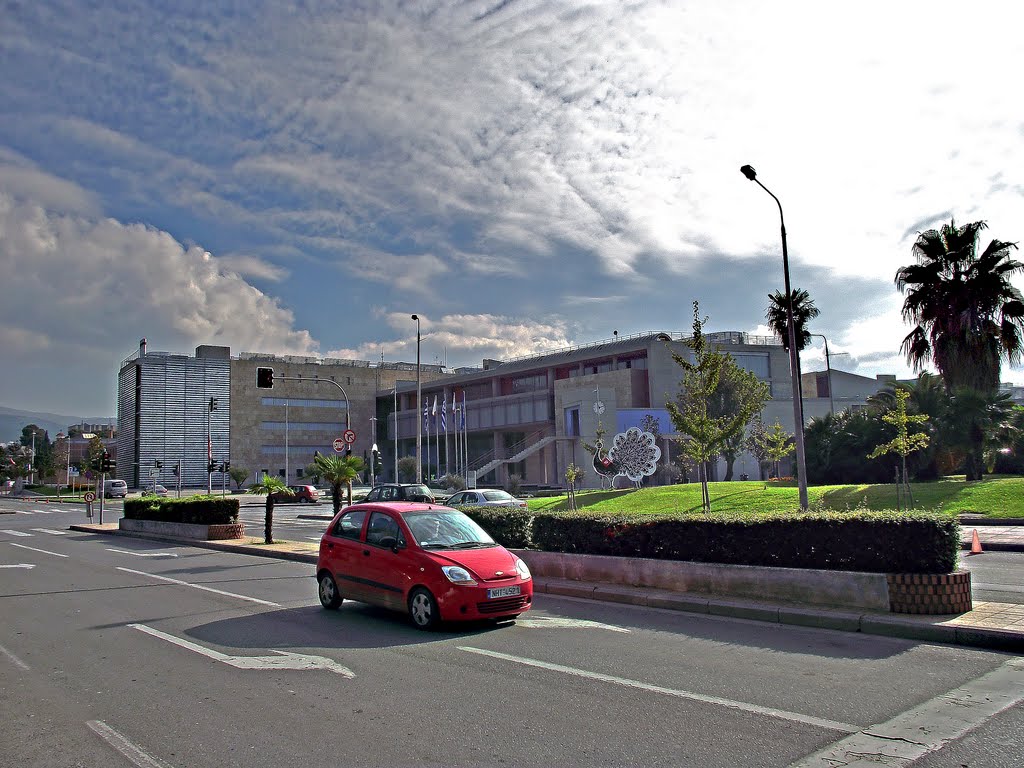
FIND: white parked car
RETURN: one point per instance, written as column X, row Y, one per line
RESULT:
column 154, row 490
column 484, row 497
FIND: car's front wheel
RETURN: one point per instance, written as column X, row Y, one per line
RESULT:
column 330, row 597
column 423, row 609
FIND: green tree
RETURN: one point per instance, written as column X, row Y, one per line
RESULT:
column 407, row 469
column 268, row 486
column 773, row 443
column 973, row 421
column 803, row 312
column 573, row 477
column 338, row 471
column 239, row 475
column 967, row 315
column 94, row 455
column 697, row 414
column 905, row 442
column 740, row 393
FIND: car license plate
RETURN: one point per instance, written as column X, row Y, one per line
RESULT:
column 502, row 592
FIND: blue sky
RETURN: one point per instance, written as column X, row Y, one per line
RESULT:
column 300, row 178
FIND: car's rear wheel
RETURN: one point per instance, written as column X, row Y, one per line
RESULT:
column 423, row 609
column 330, row 597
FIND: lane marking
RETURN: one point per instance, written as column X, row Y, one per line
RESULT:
column 284, row 659
column 928, row 727
column 143, row 554
column 43, row 511
column 14, row 659
column 22, row 512
column 756, row 709
column 44, row 551
column 51, row 531
column 19, row 565
column 200, row 586
column 17, row 533
column 545, row 622
column 129, row 750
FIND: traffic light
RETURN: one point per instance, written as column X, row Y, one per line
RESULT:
column 378, row 463
column 213, row 403
column 157, row 464
column 107, row 464
column 264, row 378
column 211, row 467
column 177, row 469
column 227, row 466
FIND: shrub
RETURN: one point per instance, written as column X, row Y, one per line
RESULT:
column 509, row 526
column 201, row 510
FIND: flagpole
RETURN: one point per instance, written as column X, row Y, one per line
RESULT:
column 437, row 437
column 444, row 417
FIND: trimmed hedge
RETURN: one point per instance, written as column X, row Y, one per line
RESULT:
column 509, row 526
column 875, row 542
column 200, row 510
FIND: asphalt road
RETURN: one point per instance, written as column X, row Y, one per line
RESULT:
column 117, row 651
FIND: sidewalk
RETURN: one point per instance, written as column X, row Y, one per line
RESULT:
column 994, row 626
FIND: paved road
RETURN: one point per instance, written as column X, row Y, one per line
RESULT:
column 172, row 656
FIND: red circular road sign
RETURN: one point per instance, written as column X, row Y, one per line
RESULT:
column 89, row 497
column 339, row 445
column 349, row 436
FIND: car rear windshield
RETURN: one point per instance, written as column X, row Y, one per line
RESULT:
column 417, row 490
column 498, row 496
column 446, row 529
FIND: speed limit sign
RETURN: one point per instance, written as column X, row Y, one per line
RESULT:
column 349, row 436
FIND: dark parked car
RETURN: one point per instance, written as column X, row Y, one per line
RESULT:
column 400, row 492
column 300, row 494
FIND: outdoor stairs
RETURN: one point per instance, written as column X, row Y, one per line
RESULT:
column 527, row 451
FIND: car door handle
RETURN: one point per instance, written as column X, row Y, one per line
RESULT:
column 366, row 552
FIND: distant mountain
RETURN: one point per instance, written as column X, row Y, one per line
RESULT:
column 12, row 421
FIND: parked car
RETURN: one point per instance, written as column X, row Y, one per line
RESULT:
column 431, row 562
column 300, row 494
column 115, row 489
column 484, row 497
column 154, row 490
column 399, row 492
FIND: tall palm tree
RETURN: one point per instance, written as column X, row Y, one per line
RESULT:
column 269, row 485
column 338, row 471
column 803, row 312
column 968, row 316
column 975, row 418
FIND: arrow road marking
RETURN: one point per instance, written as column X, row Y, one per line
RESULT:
column 17, row 533
column 198, row 586
column 44, row 551
column 546, row 622
column 18, row 565
column 285, row 659
column 143, row 554
column 729, row 703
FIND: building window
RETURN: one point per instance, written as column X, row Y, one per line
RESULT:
column 302, row 402
column 309, row 426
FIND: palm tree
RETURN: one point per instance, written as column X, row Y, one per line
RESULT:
column 975, row 419
column 968, row 315
column 269, row 485
column 338, row 471
column 803, row 312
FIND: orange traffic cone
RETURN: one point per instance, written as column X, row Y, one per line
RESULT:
column 975, row 543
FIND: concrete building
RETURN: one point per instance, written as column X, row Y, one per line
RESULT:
column 845, row 392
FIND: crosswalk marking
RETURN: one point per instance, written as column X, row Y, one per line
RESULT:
column 16, row 533
column 51, row 531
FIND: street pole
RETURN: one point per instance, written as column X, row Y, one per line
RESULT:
column 396, row 430
column 794, row 355
column 828, row 368
column 32, row 464
column 419, row 396
column 286, row 467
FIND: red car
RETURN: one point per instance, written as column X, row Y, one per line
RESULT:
column 429, row 561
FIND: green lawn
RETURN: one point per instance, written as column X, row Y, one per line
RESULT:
column 995, row 497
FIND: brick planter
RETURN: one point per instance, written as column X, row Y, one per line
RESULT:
column 930, row 593
column 185, row 530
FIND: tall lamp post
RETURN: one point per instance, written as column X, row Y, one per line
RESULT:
column 419, row 396
column 794, row 355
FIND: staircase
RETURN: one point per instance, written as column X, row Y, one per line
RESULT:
column 529, row 450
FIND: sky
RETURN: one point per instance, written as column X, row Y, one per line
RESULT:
column 300, row 178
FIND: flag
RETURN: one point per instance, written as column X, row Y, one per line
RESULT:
column 209, row 450
column 444, row 419
column 426, row 417
column 433, row 412
column 462, row 415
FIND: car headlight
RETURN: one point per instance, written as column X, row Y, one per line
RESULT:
column 523, row 570
column 458, row 575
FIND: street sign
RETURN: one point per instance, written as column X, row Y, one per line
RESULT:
column 339, row 445
column 349, row 435
column 89, row 497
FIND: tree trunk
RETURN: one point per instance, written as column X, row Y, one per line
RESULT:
column 268, row 525
column 336, row 497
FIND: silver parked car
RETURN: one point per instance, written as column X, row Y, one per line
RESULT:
column 484, row 497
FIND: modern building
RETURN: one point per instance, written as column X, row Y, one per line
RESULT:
column 837, row 391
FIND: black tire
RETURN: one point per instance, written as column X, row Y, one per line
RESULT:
column 327, row 590
column 423, row 609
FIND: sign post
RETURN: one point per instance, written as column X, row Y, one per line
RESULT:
column 339, row 445
column 89, row 497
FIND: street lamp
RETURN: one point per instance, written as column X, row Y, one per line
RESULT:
column 794, row 355
column 32, row 475
column 419, row 396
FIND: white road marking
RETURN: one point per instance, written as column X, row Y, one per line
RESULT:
column 199, row 586
column 285, row 659
column 729, row 703
column 928, row 727
column 23, row 512
column 44, row 551
column 43, row 511
column 14, row 659
column 546, row 622
column 132, row 752
column 143, row 554
column 51, row 531
column 17, row 533
column 27, row 566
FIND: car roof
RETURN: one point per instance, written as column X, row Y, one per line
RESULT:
column 395, row 506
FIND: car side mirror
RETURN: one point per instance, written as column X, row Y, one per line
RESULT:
column 390, row 542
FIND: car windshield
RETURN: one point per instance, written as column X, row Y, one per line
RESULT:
column 446, row 529
column 417, row 490
column 498, row 496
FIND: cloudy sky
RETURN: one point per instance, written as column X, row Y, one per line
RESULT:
column 301, row 177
